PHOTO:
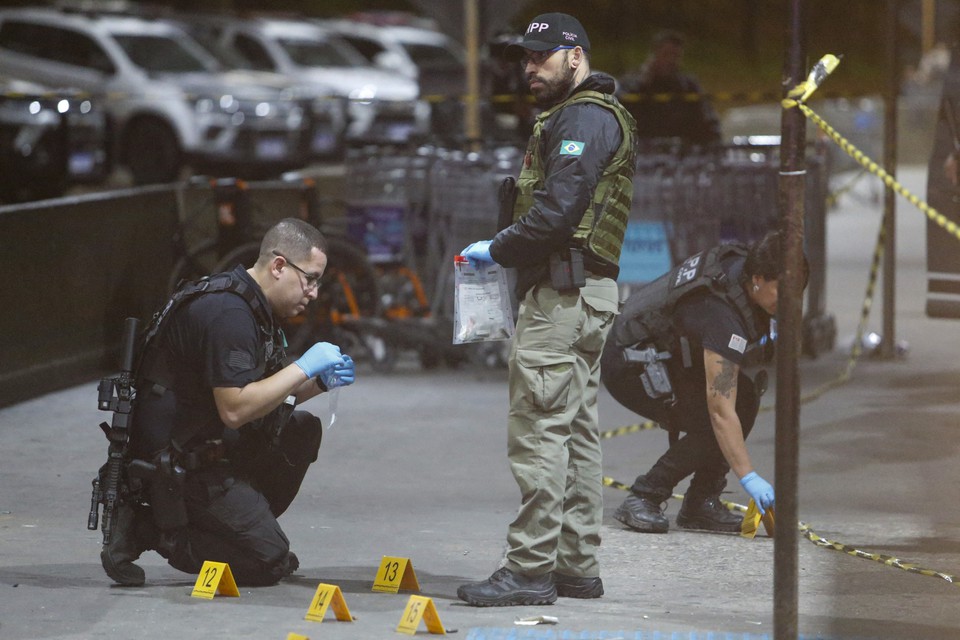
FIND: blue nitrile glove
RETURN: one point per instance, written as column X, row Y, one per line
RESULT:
column 318, row 358
column 759, row 489
column 478, row 253
column 340, row 375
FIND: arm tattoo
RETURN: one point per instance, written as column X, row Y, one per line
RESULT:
column 725, row 382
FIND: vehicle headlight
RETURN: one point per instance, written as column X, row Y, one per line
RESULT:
column 366, row 93
column 204, row 105
column 229, row 104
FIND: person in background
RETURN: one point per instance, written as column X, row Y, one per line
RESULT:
column 667, row 102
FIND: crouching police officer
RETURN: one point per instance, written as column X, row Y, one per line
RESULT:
column 214, row 434
column 675, row 356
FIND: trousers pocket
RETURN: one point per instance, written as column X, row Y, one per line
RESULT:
column 546, row 376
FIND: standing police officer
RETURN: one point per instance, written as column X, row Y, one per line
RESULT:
column 675, row 356
column 694, row 122
column 572, row 203
column 214, row 416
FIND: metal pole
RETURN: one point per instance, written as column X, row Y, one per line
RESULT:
column 471, row 33
column 789, row 322
column 928, row 30
column 889, row 334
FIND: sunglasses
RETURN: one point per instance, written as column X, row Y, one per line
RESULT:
column 539, row 57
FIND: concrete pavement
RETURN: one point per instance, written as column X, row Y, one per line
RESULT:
column 415, row 467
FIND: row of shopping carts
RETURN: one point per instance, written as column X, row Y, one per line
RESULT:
column 414, row 212
column 411, row 212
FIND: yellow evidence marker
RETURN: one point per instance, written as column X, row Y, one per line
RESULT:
column 328, row 595
column 296, row 636
column 215, row 577
column 395, row 574
column 420, row 608
column 752, row 519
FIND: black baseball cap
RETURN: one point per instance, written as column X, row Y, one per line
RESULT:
column 549, row 31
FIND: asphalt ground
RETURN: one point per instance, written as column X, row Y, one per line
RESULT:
column 415, row 467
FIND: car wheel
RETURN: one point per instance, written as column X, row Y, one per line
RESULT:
column 151, row 151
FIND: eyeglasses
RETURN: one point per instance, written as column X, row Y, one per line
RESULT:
column 313, row 279
column 539, row 57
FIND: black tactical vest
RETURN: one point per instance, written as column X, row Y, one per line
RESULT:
column 649, row 313
column 152, row 366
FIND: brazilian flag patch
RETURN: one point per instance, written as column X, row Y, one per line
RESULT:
column 571, row 148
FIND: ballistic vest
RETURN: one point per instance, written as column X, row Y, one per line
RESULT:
column 152, row 365
column 649, row 313
column 604, row 223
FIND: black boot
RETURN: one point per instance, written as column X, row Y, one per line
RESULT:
column 642, row 513
column 133, row 533
column 707, row 514
column 508, row 589
column 577, row 587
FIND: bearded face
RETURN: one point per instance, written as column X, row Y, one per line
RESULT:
column 552, row 81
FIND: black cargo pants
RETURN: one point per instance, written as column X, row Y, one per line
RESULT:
column 696, row 451
column 233, row 508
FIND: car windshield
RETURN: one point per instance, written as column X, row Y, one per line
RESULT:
column 226, row 57
column 320, row 53
column 427, row 55
column 160, row 54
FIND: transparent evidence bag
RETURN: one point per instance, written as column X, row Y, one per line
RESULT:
column 482, row 308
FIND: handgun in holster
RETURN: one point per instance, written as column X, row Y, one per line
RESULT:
column 566, row 269
column 507, row 197
column 654, row 375
column 164, row 479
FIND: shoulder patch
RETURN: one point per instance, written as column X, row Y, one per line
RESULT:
column 738, row 343
column 571, row 148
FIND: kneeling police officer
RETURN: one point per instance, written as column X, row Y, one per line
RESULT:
column 674, row 356
column 214, row 435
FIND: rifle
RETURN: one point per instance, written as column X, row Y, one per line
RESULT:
column 115, row 394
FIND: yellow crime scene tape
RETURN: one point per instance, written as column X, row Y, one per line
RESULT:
column 630, row 428
column 824, row 543
column 739, row 97
column 795, row 99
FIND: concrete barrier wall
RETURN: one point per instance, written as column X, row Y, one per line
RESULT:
column 72, row 270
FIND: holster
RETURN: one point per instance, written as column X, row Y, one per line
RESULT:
column 566, row 270
column 164, row 479
column 507, row 198
column 653, row 372
column 203, row 455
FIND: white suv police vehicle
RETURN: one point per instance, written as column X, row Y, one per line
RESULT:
column 382, row 107
column 49, row 141
column 169, row 105
column 433, row 59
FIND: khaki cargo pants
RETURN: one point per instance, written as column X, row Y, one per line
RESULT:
column 553, row 432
